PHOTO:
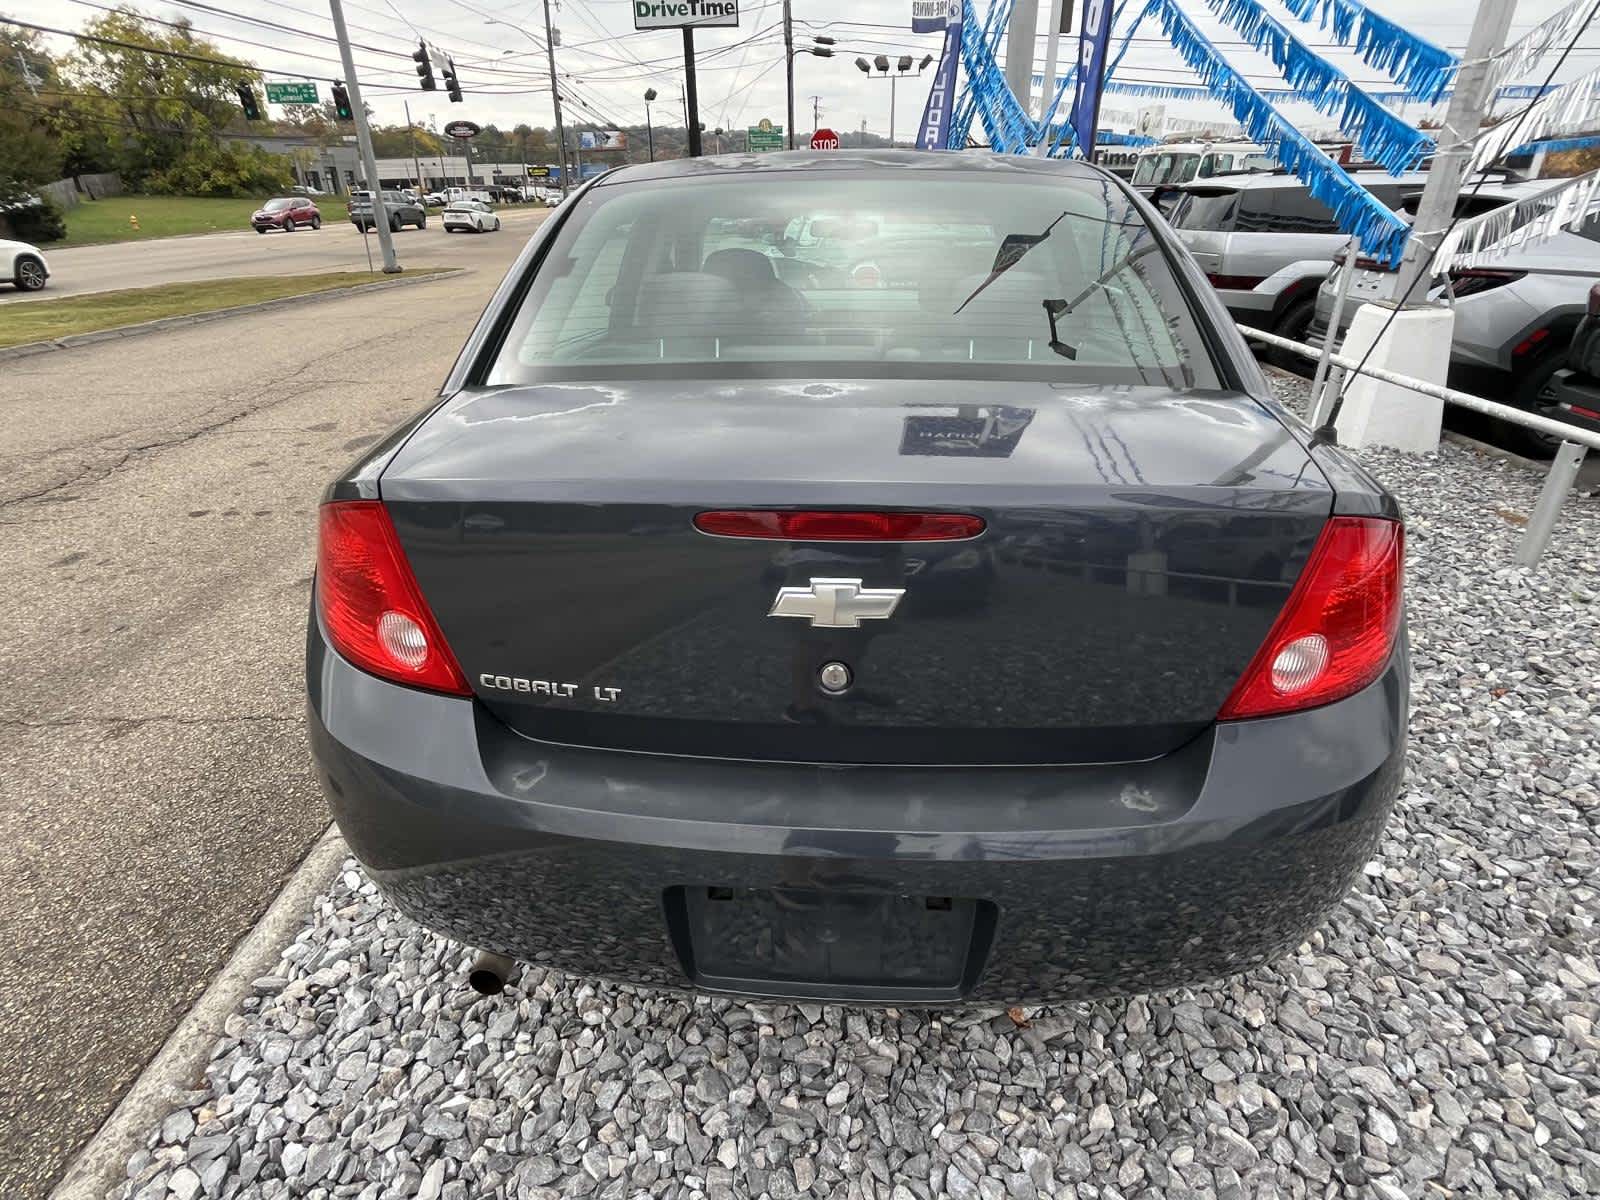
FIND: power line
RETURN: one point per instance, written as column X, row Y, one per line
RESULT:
column 187, row 28
column 245, row 67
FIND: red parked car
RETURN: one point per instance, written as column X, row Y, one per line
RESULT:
column 287, row 213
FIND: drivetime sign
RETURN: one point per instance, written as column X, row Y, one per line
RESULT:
column 675, row 14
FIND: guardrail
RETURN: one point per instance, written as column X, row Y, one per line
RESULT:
column 1575, row 442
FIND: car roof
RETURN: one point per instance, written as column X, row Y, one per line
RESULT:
column 1262, row 180
column 864, row 162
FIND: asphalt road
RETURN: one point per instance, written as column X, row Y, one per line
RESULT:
column 337, row 246
column 157, row 501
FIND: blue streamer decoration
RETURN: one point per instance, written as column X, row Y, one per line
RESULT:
column 1587, row 142
column 1423, row 69
column 1381, row 135
column 1010, row 129
column 967, row 106
column 1380, row 232
column 1189, row 91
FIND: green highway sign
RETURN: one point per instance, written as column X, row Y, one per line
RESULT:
column 292, row 93
column 765, row 137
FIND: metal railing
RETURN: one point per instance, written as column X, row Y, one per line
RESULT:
column 1563, row 473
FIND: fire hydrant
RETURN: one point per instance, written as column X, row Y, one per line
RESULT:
column 133, row 220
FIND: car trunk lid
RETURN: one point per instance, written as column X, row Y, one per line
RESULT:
column 1136, row 547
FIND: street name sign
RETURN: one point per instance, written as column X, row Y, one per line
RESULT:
column 292, row 93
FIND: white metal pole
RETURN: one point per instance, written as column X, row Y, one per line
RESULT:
column 1019, row 48
column 1052, row 47
column 380, row 219
column 1542, row 523
column 1320, row 380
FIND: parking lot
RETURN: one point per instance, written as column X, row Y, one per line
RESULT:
column 1436, row 1037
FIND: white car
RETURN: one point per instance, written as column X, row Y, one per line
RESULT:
column 23, row 265
column 470, row 214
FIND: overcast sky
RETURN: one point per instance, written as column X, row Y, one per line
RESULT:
column 605, row 66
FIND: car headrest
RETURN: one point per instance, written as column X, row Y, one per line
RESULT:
column 742, row 268
column 687, row 304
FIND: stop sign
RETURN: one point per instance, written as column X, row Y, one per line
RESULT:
column 824, row 139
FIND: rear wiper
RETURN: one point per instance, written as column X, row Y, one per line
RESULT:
column 1052, row 311
column 1059, row 307
column 1012, row 247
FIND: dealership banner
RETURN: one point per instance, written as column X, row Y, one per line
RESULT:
column 934, row 129
column 603, row 139
column 1092, row 41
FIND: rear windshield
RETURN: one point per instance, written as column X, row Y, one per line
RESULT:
column 1204, row 210
column 891, row 275
column 1157, row 169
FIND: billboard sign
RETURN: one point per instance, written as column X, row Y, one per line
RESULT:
column 676, row 14
column 603, row 139
column 461, row 129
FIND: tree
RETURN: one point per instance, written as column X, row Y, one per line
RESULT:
column 165, row 111
column 30, row 92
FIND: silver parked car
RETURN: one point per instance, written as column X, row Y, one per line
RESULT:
column 1266, row 243
column 1515, row 314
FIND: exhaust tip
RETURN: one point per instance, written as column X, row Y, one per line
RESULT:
column 489, row 972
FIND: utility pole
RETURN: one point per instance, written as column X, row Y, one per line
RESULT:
column 555, row 95
column 380, row 219
column 788, row 66
column 816, row 113
column 1468, row 103
column 691, row 102
column 412, row 140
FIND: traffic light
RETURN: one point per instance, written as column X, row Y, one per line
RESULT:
column 341, row 103
column 247, row 101
column 424, row 68
column 452, row 85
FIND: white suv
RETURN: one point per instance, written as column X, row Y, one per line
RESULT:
column 1266, row 243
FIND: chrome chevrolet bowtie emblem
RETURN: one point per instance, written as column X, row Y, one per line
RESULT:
column 836, row 603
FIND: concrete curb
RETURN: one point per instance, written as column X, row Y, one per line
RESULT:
column 102, row 1164
column 28, row 349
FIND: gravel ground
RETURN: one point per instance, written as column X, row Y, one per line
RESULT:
column 1437, row 1037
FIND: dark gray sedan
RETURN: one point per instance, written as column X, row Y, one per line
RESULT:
column 398, row 209
column 882, row 577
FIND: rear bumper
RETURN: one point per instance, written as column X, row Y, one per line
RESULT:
column 1084, row 879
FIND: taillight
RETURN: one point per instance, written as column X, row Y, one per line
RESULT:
column 825, row 526
column 1338, row 627
column 370, row 603
column 1475, row 280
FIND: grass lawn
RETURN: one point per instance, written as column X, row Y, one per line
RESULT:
column 41, row 320
column 96, row 221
